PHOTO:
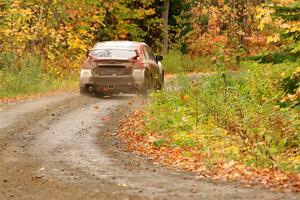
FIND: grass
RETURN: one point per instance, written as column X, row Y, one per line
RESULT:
column 231, row 116
column 21, row 77
column 176, row 62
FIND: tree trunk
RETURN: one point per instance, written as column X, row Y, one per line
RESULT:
column 244, row 19
column 165, row 35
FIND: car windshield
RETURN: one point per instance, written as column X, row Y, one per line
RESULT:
column 113, row 53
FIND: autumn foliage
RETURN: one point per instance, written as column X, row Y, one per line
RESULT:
column 54, row 28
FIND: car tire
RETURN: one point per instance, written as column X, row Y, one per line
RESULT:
column 158, row 86
column 148, row 85
column 161, row 81
column 84, row 91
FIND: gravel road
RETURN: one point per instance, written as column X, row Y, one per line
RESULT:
column 64, row 147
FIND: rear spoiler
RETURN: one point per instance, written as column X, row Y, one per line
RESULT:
column 113, row 48
column 109, row 58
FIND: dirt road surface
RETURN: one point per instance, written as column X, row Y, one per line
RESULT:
column 63, row 147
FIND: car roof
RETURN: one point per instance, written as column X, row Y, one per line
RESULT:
column 118, row 44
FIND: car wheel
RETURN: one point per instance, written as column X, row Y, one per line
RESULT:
column 148, row 85
column 84, row 91
column 160, row 83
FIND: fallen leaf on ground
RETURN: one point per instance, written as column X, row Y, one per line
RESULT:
column 143, row 144
column 106, row 119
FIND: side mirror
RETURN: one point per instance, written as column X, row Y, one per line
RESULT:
column 158, row 58
column 88, row 53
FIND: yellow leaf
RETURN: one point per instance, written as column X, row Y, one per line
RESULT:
column 185, row 97
column 274, row 38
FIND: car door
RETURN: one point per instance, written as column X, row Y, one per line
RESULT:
column 148, row 63
column 153, row 66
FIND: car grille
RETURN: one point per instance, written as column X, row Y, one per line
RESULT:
column 111, row 71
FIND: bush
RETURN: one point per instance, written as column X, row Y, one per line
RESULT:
column 6, row 60
column 230, row 116
column 275, row 58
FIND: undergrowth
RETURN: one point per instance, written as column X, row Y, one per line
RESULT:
column 177, row 62
column 248, row 116
column 29, row 75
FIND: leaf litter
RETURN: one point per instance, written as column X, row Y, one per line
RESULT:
column 131, row 133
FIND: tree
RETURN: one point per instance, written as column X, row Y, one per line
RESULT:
column 165, row 34
column 179, row 24
column 222, row 27
column 283, row 20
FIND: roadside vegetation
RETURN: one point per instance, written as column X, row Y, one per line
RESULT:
column 175, row 62
column 226, row 125
column 251, row 116
column 29, row 76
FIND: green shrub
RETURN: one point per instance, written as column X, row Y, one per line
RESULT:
column 6, row 60
column 276, row 58
column 292, row 83
column 230, row 116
